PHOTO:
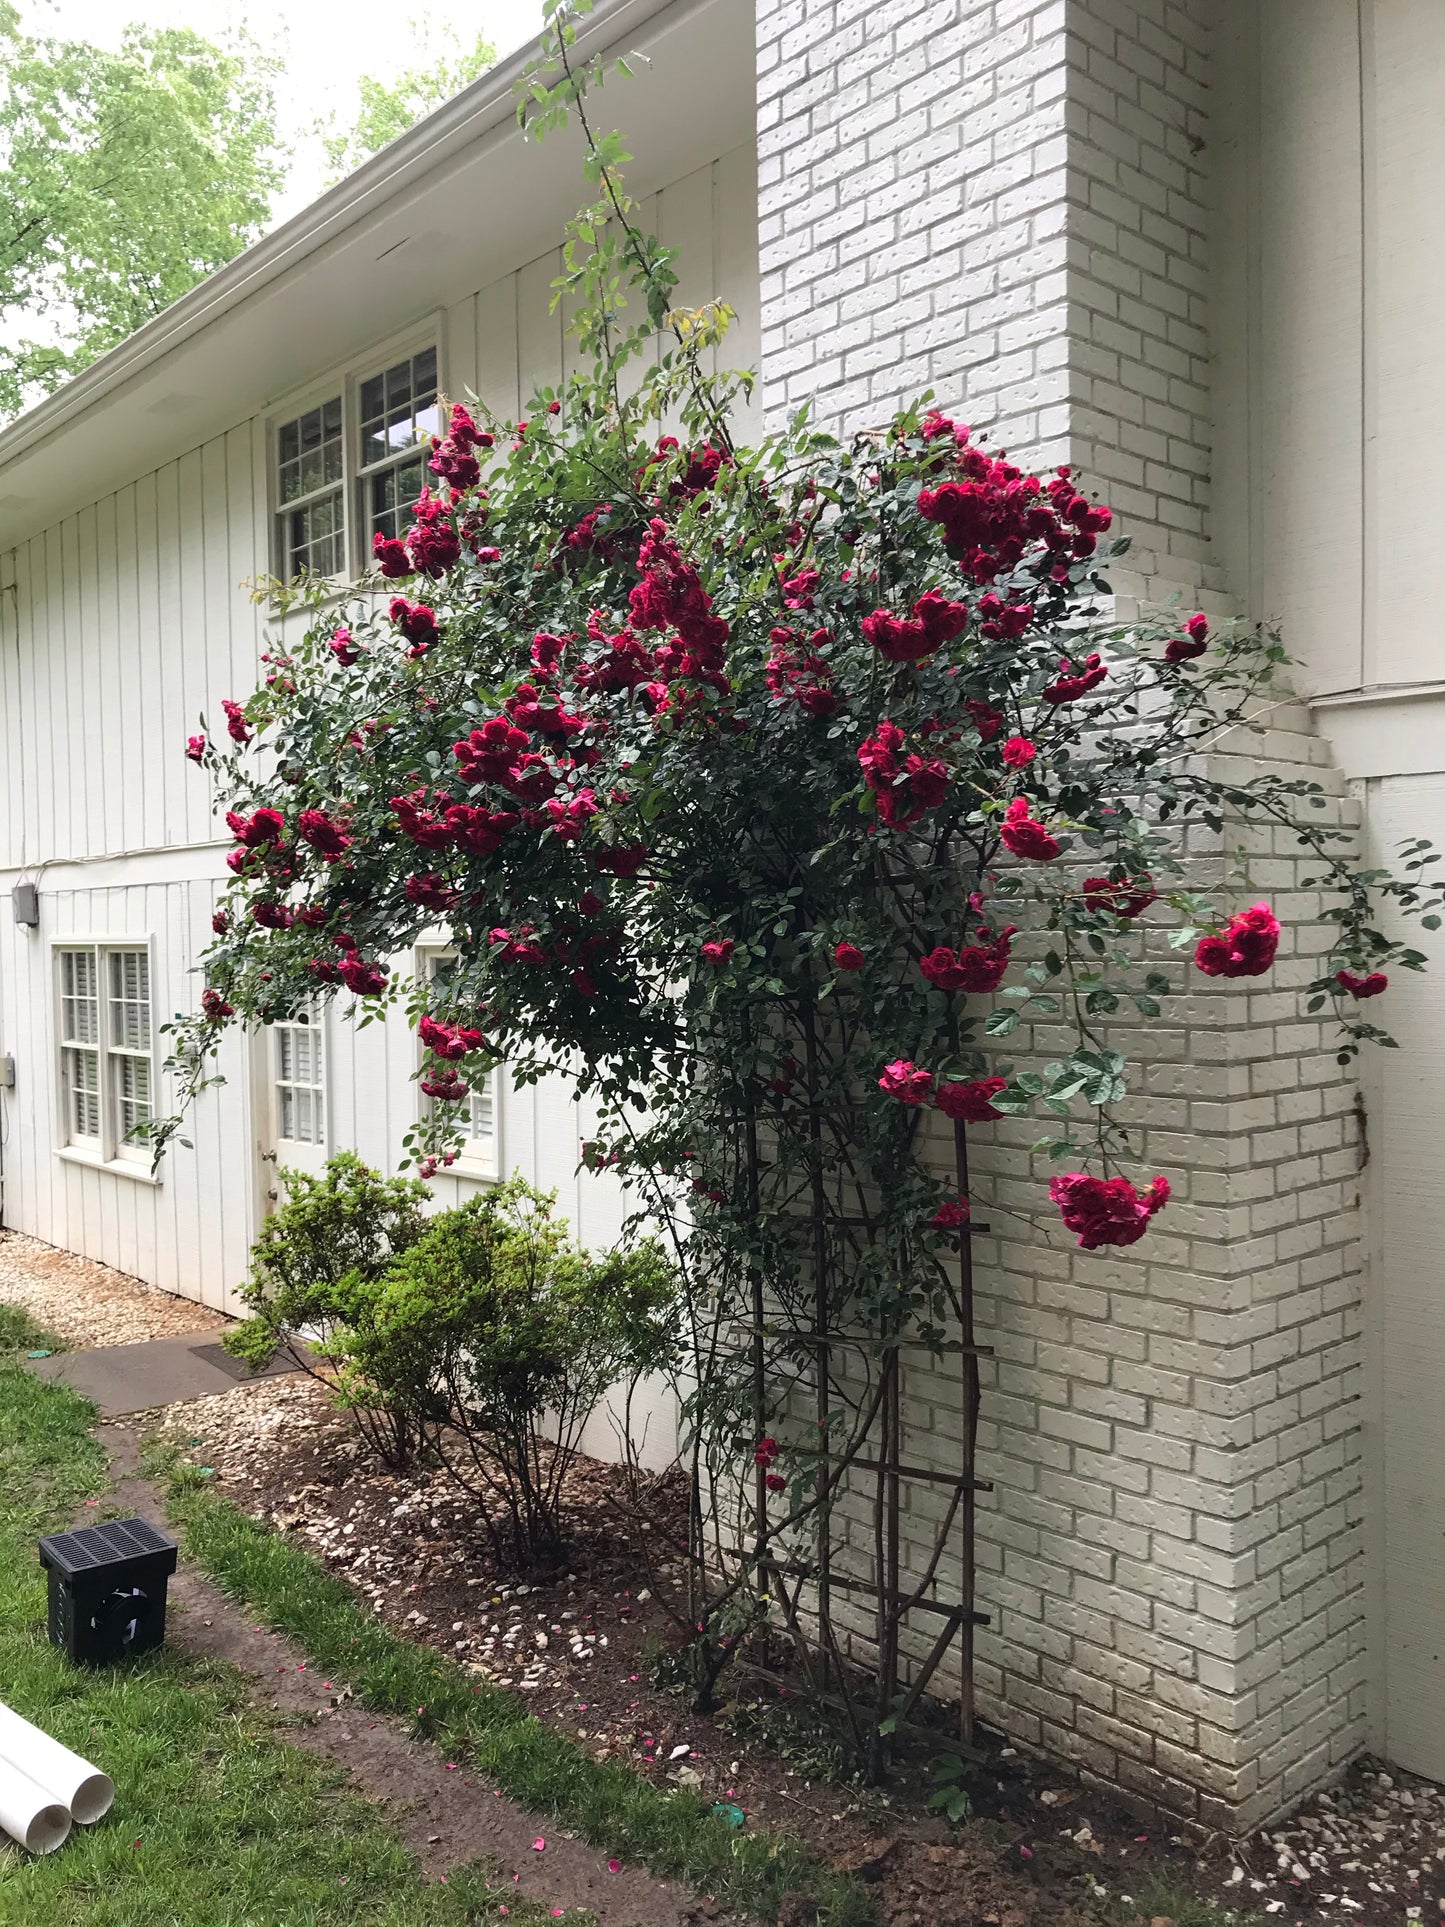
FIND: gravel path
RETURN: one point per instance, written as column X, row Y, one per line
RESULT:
column 89, row 1305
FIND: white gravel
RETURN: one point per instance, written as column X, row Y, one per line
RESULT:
column 89, row 1305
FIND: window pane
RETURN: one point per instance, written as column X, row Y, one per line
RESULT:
column 393, row 495
column 130, row 1000
column 300, row 1105
column 133, row 1094
column 81, row 1070
column 315, row 537
column 398, row 408
column 483, row 1122
column 79, row 998
column 308, row 451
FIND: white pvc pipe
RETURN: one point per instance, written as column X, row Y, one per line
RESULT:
column 72, row 1782
column 29, row 1813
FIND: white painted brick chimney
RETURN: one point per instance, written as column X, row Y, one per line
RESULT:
column 1007, row 201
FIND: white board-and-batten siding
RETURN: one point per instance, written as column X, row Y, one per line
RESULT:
column 119, row 626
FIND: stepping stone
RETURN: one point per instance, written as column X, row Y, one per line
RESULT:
column 133, row 1378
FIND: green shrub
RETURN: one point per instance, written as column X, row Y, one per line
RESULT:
column 315, row 1273
column 511, row 1334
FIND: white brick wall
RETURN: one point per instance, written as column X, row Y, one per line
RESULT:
column 1005, row 200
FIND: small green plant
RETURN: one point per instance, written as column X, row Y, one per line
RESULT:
column 315, row 1270
column 504, row 1335
column 950, row 1793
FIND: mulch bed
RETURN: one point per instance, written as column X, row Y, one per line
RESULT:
column 583, row 1644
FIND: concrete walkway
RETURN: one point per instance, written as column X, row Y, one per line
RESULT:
column 123, row 1379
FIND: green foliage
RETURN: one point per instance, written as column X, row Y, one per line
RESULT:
column 128, row 177
column 386, row 108
column 672, row 1832
column 501, row 1335
column 950, row 1795
column 317, row 1267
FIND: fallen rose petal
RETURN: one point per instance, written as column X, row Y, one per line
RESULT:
column 614, row 1866
column 539, row 1845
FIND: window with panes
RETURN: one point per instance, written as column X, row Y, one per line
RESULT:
column 106, row 1047
column 397, row 414
column 301, row 1078
column 479, row 1117
column 311, row 492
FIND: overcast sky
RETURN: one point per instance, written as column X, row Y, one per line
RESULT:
column 326, row 45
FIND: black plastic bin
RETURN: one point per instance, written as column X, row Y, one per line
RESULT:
column 108, row 1589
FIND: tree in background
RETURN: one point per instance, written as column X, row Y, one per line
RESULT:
column 387, row 108
column 128, row 176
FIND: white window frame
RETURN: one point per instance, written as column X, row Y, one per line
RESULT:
column 108, row 1149
column 479, row 1158
column 345, row 381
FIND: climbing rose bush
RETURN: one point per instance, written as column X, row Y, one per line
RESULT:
column 766, row 790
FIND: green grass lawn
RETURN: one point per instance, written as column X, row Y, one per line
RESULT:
column 217, row 1822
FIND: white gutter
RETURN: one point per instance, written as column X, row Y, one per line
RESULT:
column 488, row 102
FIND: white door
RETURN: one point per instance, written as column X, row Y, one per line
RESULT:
column 296, row 1076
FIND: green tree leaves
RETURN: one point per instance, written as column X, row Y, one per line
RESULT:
column 387, row 108
column 127, row 177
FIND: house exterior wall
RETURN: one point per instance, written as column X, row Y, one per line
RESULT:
column 1173, row 1552
column 118, row 627
column 1331, row 163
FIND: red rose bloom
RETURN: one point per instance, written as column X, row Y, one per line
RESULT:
column 215, row 1006
column 343, row 648
column 987, row 720
column 952, row 1213
column 1129, row 898
column 237, row 728
column 1024, row 835
column 718, row 950
column 1106, row 1211
column 450, row 1041
column 935, row 621
column 444, row 1083
column 1073, row 683
column 390, row 556
column 905, row 1081
column 1370, row 986
column 1246, row 948
column 265, row 826
column 775, row 1482
column 619, row 860
column 971, row 1102
column 1193, row 642
column 195, row 748
column 364, row 978
column 417, row 623
column 848, row 956
column 432, row 892
column 976, row 967
column 324, row 836
column 1019, row 752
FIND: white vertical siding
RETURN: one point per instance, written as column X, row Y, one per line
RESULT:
column 127, row 621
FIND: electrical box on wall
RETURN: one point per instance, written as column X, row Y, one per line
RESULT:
column 26, row 900
column 7, row 1073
